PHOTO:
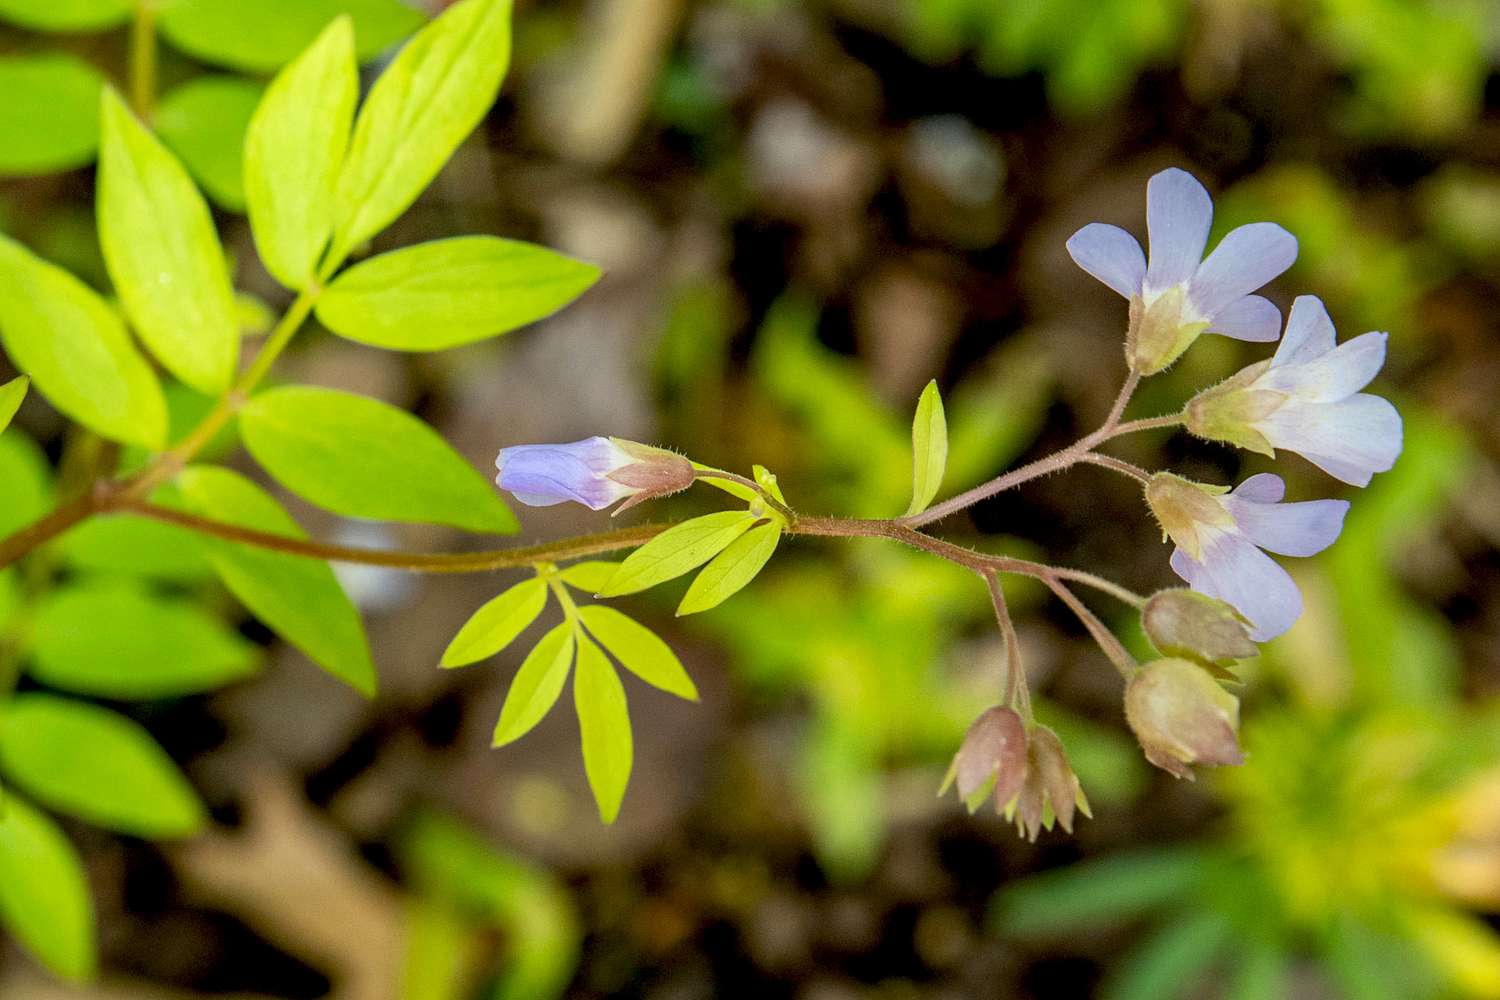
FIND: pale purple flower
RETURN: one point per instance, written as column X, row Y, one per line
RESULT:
column 1179, row 294
column 1220, row 538
column 1306, row 399
column 595, row 472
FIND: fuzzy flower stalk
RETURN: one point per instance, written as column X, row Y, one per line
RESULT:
column 596, row 472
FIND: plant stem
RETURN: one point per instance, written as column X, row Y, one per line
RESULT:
column 1100, row 633
column 1117, row 464
column 143, row 59
column 1146, row 424
column 1014, row 691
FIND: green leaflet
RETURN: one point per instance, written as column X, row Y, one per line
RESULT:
column 451, row 292
column 44, row 894
column 97, row 765
column 135, row 546
column 360, row 457
column 49, row 113
column 263, row 35
column 27, row 476
column 163, row 254
column 537, row 685
column 294, row 149
column 677, row 550
column 298, row 598
column 11, row 395
column 115, row 639
column 204, row 122
column 929, row 449
column 74, row 347
column 1167, row 964
column 66, row 15
column 496, row 625
column 731, row 569
column 589, row 576
column 639, row 649
column 604, row 726
column 428, row 99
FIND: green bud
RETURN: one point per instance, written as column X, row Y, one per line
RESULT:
column 1159, row 333
column 1228, row 411
column 1185, row 623
column 1182, row 717
column 1184, row 508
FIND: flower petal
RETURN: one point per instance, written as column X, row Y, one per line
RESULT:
column 1264, row 487
column 1178, row 214
column 1309, row 333
column 1250, row 318
column 1236, row 572
column 1110, row 254
column 1243, row 261
column 540, row 475
column 1335, row 375
column 1351, row 439
column 1290, row 529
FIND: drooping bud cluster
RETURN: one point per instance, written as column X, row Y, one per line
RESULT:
column 595, row 472
column 1025, row 769
column 1183, row 717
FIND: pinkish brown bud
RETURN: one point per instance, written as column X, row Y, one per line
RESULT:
column 1187, row 624
column 992, row 759
column 1050, row 785
column 1182, row 716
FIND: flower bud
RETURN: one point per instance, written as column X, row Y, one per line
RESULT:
column 992, row 758
column 1229, row 411
column 1160, row 331
column 595, row 472
column 1051, row 791
column 1182, row 716
column 1189, row 512
column 1185, row 623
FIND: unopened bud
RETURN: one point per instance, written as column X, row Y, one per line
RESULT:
column 1161, row 331
column 1049, row 762
column 1182, row 717
column 1185, row 509
column 992, row 759
column 1228, row 411
column 1185, row 623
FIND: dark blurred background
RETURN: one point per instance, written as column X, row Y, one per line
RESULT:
column 805, row 211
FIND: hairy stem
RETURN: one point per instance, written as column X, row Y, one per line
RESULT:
column 1119, row 465
column 1112, row 647
column 1014, row 689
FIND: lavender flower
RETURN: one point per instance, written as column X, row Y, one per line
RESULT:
column 1180, row 295
column 1306, row 399
column 1220, row 537
column 595, row 472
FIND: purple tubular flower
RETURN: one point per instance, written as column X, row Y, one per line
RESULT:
column 1220, row 538
column 1178, row 294
column 595, row 472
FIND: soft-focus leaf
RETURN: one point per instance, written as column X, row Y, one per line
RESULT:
column 27, row 476
column 428, row 99
column 360, row 457
column 114, row 639
column 929, row 449
column 76, row 350
column 66, row 15
column 263, row 35
column 204, row 122
column 11, row 395
column 604, row 725
column 537, row 685
column 49, row 113
column 495, row 625
column 163, row 254
column 451, row 292
column 298, row 598
column 1111, row 889
column 1260, row 972
column 1169, row 964
column 126, row 544
column 677, row 550
column 731, row 570
column 590, row 576
column 97, row 765
column 437, row 951
column 294, row 149
column 44, row 894
column 640, row 650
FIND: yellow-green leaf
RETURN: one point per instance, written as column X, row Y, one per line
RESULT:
column 537, row 685
column 604, row 726
column 640, row 650
column 11, row 395
column 294, row 150
column 298, row 598
column 49, row 113
column 496, row 625
column 360, row 457
column 677, row 550
column 590, row 576
column 731, row 569
column 74, row 347
column 44, row 894
column 98, row 765
column 204, row 122
column 450, row 292
column 260, row 36
column 163, row 254
column 428, row 99
column 929, row 449
column 66, row 15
